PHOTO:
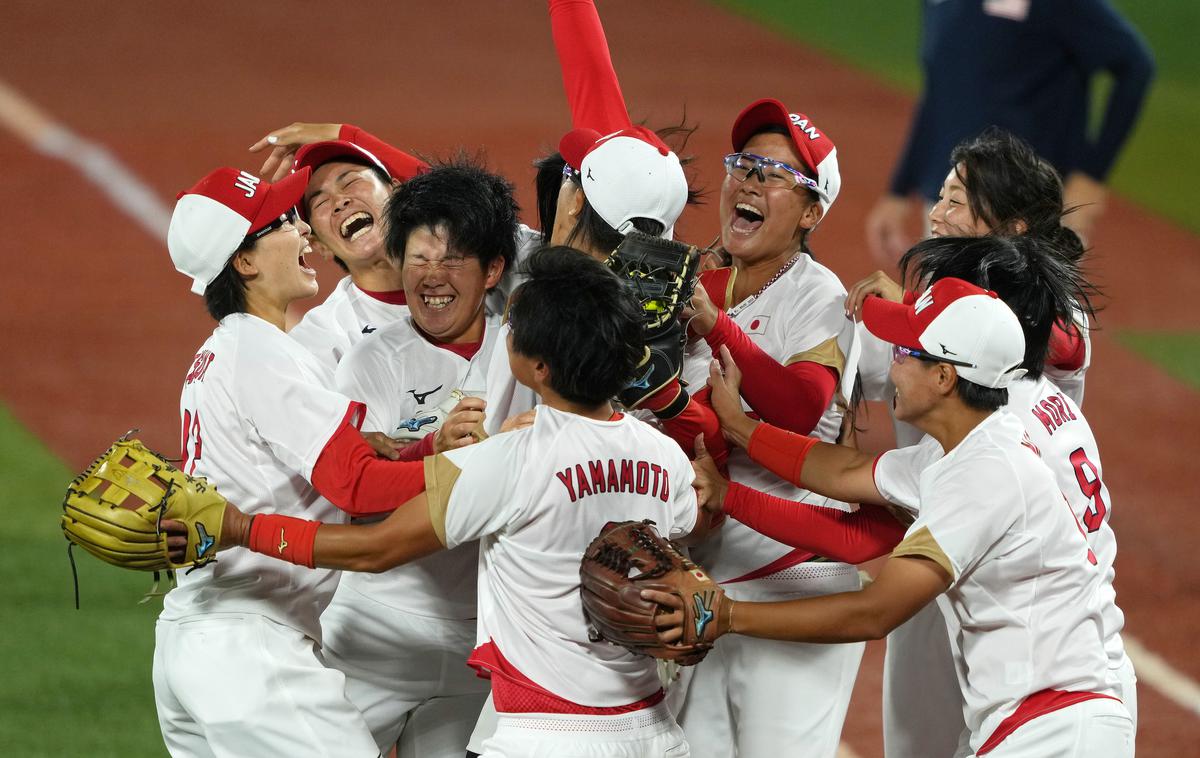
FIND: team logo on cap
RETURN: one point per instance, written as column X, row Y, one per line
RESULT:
column 248, row 183
column 803, row 125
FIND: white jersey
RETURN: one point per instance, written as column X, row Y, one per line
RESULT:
column 535, row 498
column 800, row 317
column 257, row 412
column 347, row 316
column 1024, row 605
column 528, row 240
column 407, row 383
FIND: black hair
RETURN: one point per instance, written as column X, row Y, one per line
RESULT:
column 1007, row 182
column 980, row 398
column 575, row 315
column 227, row 293
column 590, row 229
column 475, row 206
column 1039, row 285
column 812, row 196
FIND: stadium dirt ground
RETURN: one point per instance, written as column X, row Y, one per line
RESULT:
column 98, row 329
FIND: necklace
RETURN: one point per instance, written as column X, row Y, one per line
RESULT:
column 735, row 310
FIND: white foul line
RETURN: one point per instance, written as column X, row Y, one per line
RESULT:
column 97, row 163
column 1153, row 670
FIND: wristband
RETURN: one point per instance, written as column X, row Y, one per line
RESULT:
column 284, row 537
column 779, row 451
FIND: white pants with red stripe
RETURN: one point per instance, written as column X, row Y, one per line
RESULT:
column 648, row 732
column 1099, row 728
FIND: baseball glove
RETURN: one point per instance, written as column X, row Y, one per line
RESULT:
column 114, row 509
column 629, row 557
column 662, row 274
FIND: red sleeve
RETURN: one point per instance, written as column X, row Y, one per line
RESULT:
column 779, row 451
column 417, row 451
column 699, row 418
column 361, row 483
column 718, row 283
column 854, row 537
column 399, row 164
column 792, row 397
column 593, row 92
column 1067, row 347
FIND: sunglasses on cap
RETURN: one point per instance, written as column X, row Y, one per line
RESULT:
column 771, row 173
column 274, row 226
column 900, row 354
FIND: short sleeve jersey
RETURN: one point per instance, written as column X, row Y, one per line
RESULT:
column 535, row 498
column 799, row 317
column 408, row 385
column 1026, row 593
column 257, row 411
column 347, row 316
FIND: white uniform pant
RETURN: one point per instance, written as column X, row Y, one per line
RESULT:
column 650, row 732
column 755, row 698
column 240, row 684
column 407, row 673
column 1099, row 728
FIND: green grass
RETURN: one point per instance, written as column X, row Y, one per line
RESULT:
column 1177, row 353
column 1159, row 165
column 73, row 682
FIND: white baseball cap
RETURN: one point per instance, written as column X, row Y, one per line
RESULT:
column 628, row 174
column 958, row 323
column 814, row 146
column 212, row 219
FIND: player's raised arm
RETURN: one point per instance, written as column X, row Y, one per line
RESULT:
column 832, row 470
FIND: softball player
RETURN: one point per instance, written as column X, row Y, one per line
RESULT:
column 237, row 670
column 785, row 325
column 401, row 636
column 526, row 496
column 1021, row 589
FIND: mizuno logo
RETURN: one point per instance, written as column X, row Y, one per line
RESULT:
column 589, row 174
column 644, row 382
column 282, row 542
column 946, row 350
column 415, row 424
column 204, row 540
column 368, row 329
column 420, row 396
column 704, row 615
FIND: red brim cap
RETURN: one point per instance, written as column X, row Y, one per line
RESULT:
column 319, row 153
column 894, row 323
column 769, row 112
column 576, row 144
column 282, row 196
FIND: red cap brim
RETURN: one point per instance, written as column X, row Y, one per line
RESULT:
column 890, row 322
column 576, row 144
column 319, row 153
column 281, row 197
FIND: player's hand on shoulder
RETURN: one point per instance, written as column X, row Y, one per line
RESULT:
column 725, row 378
column 879, row 284
column 462, row 426
column 519, row 421
column 286, row 141
column 383, row 445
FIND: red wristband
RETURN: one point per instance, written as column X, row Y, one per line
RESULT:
column 284, row 537
column 779, row 451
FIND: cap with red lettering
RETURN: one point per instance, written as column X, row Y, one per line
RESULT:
column 628, row 174
column 956, row 322
column 212, row 218
column 814, row 146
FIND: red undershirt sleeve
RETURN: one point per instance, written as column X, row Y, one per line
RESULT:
column 697, row 418
column 854, row 537
column 352, row 477
column 589, row 80
column 417, row 451
column 399, row 164
column 1067, row 348
column 792, row 397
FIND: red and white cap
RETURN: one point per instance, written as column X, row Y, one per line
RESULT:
column 814, row 146
column 314, row 155
column 212, row 218
column 957, row 322
column 628, row 174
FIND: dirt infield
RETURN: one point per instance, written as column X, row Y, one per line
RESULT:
column 98, row 329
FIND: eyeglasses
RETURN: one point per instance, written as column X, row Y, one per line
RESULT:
column 900, row 353
column 771, row 173
column 274, row 226
column 570, row 173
